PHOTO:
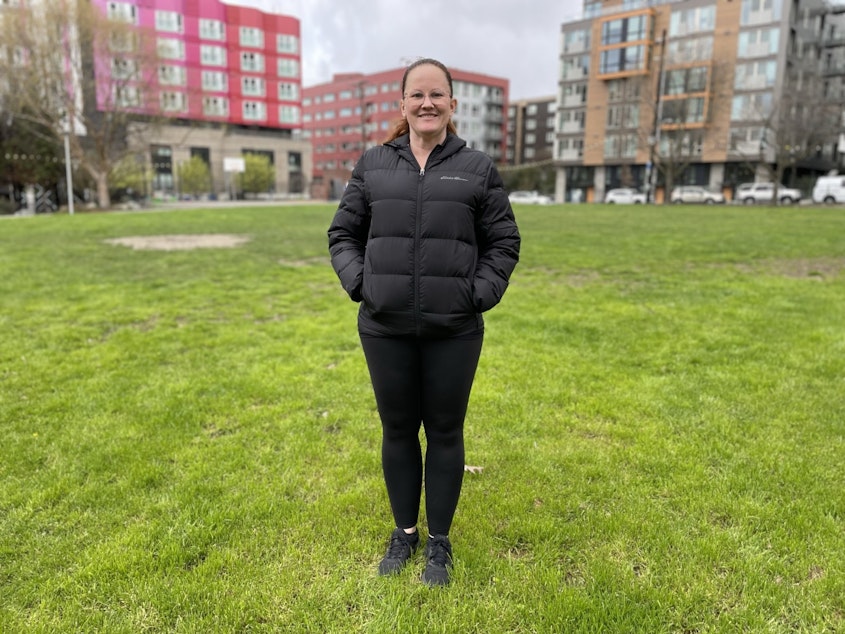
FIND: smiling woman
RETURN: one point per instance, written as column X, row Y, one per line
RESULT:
column 427, row 106
column 425, row 239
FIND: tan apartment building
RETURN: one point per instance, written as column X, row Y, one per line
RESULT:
column 698, row 92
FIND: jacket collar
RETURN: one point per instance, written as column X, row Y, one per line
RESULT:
column 450, row 146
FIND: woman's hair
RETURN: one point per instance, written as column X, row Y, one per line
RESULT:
column 401, row 126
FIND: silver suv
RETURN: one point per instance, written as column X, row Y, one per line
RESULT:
column 750, row 193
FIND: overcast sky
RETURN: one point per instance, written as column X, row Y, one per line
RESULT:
column 519, row 41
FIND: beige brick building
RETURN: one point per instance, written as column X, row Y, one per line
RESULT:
column 698, row 92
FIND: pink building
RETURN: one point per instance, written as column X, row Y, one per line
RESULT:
column 227, row 78
column 215, row 62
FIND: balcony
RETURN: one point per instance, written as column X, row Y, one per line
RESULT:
column 833, row 69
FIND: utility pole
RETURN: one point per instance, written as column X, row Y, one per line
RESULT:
column 654, row 139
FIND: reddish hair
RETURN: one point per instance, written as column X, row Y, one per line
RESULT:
column 401, row 126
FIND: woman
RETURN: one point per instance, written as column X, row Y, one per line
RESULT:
column 425, row 239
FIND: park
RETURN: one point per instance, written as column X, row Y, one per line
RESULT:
column 655, row 438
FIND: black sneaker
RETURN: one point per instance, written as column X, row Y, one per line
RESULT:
column 399, row 551
column 438, row 561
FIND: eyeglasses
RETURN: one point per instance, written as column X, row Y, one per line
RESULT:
column 435, row 96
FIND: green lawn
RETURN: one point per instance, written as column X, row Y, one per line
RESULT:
column 190, row 442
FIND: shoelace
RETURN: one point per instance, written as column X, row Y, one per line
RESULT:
column 439, row 553
column 398, row 548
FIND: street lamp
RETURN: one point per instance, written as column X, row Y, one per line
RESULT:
column 68, row 166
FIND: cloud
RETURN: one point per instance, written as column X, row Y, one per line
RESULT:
column 515, row 40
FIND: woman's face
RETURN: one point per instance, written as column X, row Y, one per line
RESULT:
column 427, row 103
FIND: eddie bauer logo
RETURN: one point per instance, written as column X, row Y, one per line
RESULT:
column 453, row 178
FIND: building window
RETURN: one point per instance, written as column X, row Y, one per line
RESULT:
column 621, row 30
column 122, row 68
column 697, row 49
column 685, row 80
column 169, row 21
column 623, row 116
column 759, row 12
column 287, row 68
column 755, row 107
column 214, row 81
column 755, row 75
column 252, row 86
column 161, row 158
column 287, row 44
column 288, row 91
column 576, row 41
column 288, row 114
column 212, row 30
column 173, row 101
column 616, row 60
column 122, row 12
column 212, row 55
column 252, row 62
column 692, row 21
column 215, row 107
column 126, row 97
column 170, row 48
column 254, row 111
column 681, row 111
column 170, row 75
column 620, row 146
column 758, row 43
column 123, row 42
column 252, row 37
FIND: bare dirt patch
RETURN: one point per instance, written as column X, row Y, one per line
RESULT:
column 814, row 268
column 818, row 269
column 184, row 242
column 298, row 264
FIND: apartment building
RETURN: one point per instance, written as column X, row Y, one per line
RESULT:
column 355, row 111
column 235, row 71
column 198, row 78
column 655, row 94
column 531, row 130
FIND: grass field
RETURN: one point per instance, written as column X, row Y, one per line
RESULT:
column 190, row 442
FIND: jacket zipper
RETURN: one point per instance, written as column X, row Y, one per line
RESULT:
column 418, row 225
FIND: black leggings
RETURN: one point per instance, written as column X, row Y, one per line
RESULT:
column 424, row 381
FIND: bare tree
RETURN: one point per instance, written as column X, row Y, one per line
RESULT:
column 74, row 72
column 782, row 133
column 680, row 103
column 795, row 131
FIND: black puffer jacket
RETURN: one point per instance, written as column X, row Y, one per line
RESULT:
column 424, row 251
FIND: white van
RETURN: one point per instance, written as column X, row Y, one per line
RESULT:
column 829, row 189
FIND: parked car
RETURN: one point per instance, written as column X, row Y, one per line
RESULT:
column 829, row 189
column 529, row 198
column 625, row 195
column 750, row 193
column 696, row 194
